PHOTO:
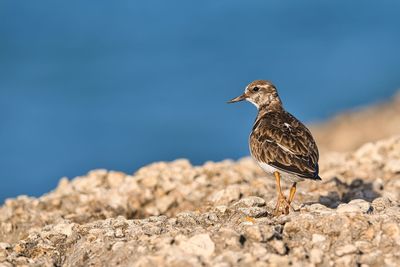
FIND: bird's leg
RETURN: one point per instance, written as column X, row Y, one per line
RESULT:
column 292, row 192
column 281, row 197
column 291, row 197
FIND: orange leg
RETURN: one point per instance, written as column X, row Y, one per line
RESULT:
column 281, row 197
column 292, row 192
column 291, row 197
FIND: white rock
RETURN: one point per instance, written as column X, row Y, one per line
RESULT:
column 316, row 255
column 279, row 246
column 119, row 233
column 118, row 245
column 251, row 201
column 317, row 238
column 221, row 208
column 392, row 165
column 226, row 195
column 363, row 205
column 164, row 203
column 4, row 245
column 346, row 208
column 200, row 245
column 346, row 249
column 356, row 205
column 65, row 229
column 318, row 208
column 115, row 179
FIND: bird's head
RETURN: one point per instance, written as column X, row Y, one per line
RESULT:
column 261, row 93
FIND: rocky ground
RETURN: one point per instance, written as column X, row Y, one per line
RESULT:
column 350, row 130
column 218, row 214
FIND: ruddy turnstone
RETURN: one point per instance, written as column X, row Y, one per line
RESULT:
column 280, row 143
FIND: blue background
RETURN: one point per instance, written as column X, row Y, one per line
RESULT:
column 120, row 84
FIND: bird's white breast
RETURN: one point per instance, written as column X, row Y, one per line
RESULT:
column 284, row 175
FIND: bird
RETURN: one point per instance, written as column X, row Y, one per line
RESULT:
column 279, row 143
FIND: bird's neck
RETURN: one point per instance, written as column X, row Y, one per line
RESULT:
column 273, row 106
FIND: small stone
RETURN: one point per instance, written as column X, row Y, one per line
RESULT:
column 251, row 201
column 318, row 208
column 277, row 260
column 316, row 255
column 392, row 165
column 381, row 203
column 200, row 245
column 118, row 246
column 346, row 208
column 119, row 233
column 64, row 229
column 317, row 238
column 91, row 237
column 18, row 248
column 354, row 206
column 115, row 179
column 391, row 261
column 254, row 212
column 6, row 264
column 363, row 205
column 260, row 233
column 221, row 208
column 373, row 258
column 7, row 227
column 259, row 251
column 347, row 260
column 226, row 195
column 363, row 246
column 392, row 230
column 164, row 203
column 279, row 246
column 3, row 256
column 346, row 249
column 62, row 184
column 149, row 181
column 253, row 232
column 4, row 245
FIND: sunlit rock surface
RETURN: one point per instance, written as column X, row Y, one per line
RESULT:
column 218, row 214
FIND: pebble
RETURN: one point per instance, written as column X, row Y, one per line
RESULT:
column 119, row 233
column 392, row 165
column 164, row 203
column 346, row 249
column 279, row 246
column 118, row 246
column 317, row 238
column 200, row 245
column 260, row 233
column 255, row 212
column 317, row 208
column 316, row 255
column 356, row 205
column 251, row 201
column 226, row 195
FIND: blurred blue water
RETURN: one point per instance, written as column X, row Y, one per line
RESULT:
column 119, row 84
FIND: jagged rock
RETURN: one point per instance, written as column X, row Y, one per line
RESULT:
column 218, row 214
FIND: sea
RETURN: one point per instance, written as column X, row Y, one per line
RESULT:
column 120, row 84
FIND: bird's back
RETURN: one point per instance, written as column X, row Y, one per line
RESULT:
column 283, row 142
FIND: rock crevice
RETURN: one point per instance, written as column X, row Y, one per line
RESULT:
column 218, row 214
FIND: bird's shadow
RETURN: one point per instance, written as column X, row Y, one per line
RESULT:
column 344, row 193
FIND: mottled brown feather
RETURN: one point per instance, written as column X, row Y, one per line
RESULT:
column 282, row 141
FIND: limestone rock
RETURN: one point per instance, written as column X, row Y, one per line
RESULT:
column 218, row 214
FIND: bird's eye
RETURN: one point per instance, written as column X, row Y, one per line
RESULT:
column 255, row 89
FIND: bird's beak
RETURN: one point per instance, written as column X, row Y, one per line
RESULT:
column 237, row 99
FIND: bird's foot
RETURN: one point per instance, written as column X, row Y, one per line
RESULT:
column 283, row 203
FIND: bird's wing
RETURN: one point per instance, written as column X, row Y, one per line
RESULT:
column 282, row 141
